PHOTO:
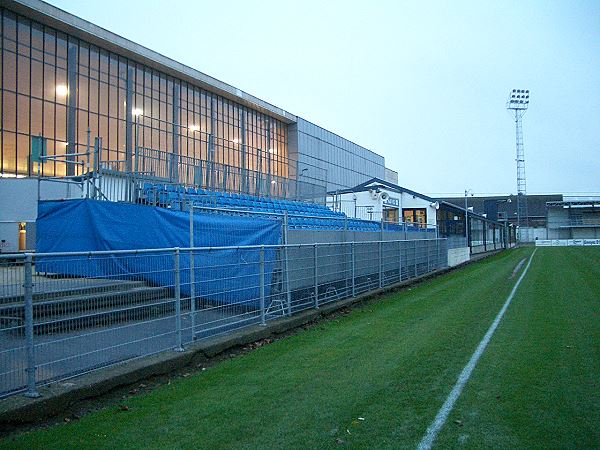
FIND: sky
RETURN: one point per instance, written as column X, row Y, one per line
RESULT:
column 422, row 83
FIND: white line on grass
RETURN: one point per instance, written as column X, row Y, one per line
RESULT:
column 442, row 415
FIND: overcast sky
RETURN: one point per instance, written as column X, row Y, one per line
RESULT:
column 422, row 83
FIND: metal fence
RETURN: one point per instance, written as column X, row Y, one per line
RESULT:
column 65, row 314
column 255, row 172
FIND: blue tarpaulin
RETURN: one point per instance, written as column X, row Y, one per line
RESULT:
column 222, row 276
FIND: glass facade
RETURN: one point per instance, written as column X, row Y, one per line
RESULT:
column 59, row 87
column 450, row 222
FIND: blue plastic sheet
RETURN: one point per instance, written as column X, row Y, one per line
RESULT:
column 222, row 276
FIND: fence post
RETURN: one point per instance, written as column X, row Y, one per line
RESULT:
column 28, row 288
column 316, row 287
column 288, row 293
column 428, row 250
column 87, row 165
column 192, row 274
column 179, row 347
column 415, row 257
column 399, row 260
column 380, row 264
column 353, row 270
column 263, row 320
column 100, row 171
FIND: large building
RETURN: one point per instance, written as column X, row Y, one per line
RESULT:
column 575, row 218
column 85, row 99
column 503, row 208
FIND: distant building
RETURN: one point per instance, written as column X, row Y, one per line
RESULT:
column 578, row 219
column 503, row 208
column 379, row 200
column 388, row 203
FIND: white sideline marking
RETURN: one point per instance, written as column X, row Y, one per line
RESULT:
column 442, row 415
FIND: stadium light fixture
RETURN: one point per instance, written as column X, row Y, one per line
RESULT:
column 194, row 128
column 62, row 90
column 518, row 99
column 137, row 112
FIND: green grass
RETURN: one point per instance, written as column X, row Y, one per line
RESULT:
column 538, row 383
column 392, row 363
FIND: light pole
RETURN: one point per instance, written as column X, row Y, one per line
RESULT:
column 302, row 172
column 517, row 104
column 467, row 191
column 137, row 113
column 505, row 220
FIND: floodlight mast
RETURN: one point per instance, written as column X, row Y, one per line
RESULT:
column 517, row 104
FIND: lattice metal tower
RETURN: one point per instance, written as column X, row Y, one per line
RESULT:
column 517, row 104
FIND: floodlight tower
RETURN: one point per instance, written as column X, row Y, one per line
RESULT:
column 517, row 103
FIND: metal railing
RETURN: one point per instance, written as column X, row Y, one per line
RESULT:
column 64, row 314
column 104, row 177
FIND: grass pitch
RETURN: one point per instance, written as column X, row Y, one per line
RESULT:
column 377, row 377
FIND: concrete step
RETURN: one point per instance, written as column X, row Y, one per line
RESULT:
column 74, row 304
column 55, row 288
column 106, row 317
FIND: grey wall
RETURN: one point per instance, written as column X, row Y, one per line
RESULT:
column 18, row 203
column 345, row 163
column 391, row 176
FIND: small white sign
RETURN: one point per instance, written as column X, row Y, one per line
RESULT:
column 391, row 201
column 567, row 242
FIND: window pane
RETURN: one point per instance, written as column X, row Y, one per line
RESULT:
column 36, row 117
column 48, row 120
column 22, row 154
column 9, row 111
column 23, row 75
column 9, row 152
column 10, row 28
column 49, row 83
column 9, row 65
column 37, row 83
column 23, row 114
column 61, row 123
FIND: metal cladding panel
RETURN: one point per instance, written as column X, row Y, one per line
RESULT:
column 347, row 163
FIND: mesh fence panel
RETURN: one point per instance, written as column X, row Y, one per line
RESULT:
column 93, row 310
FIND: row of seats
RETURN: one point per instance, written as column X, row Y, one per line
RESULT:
column 325, row 223
column 169, row 194
column 351, row 225
column 302, row 216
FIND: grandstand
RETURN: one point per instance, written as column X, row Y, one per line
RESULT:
column 300, row 215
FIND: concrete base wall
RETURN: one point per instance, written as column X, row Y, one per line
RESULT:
column 458, row 256
column 532, row 234
column 19, row 203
